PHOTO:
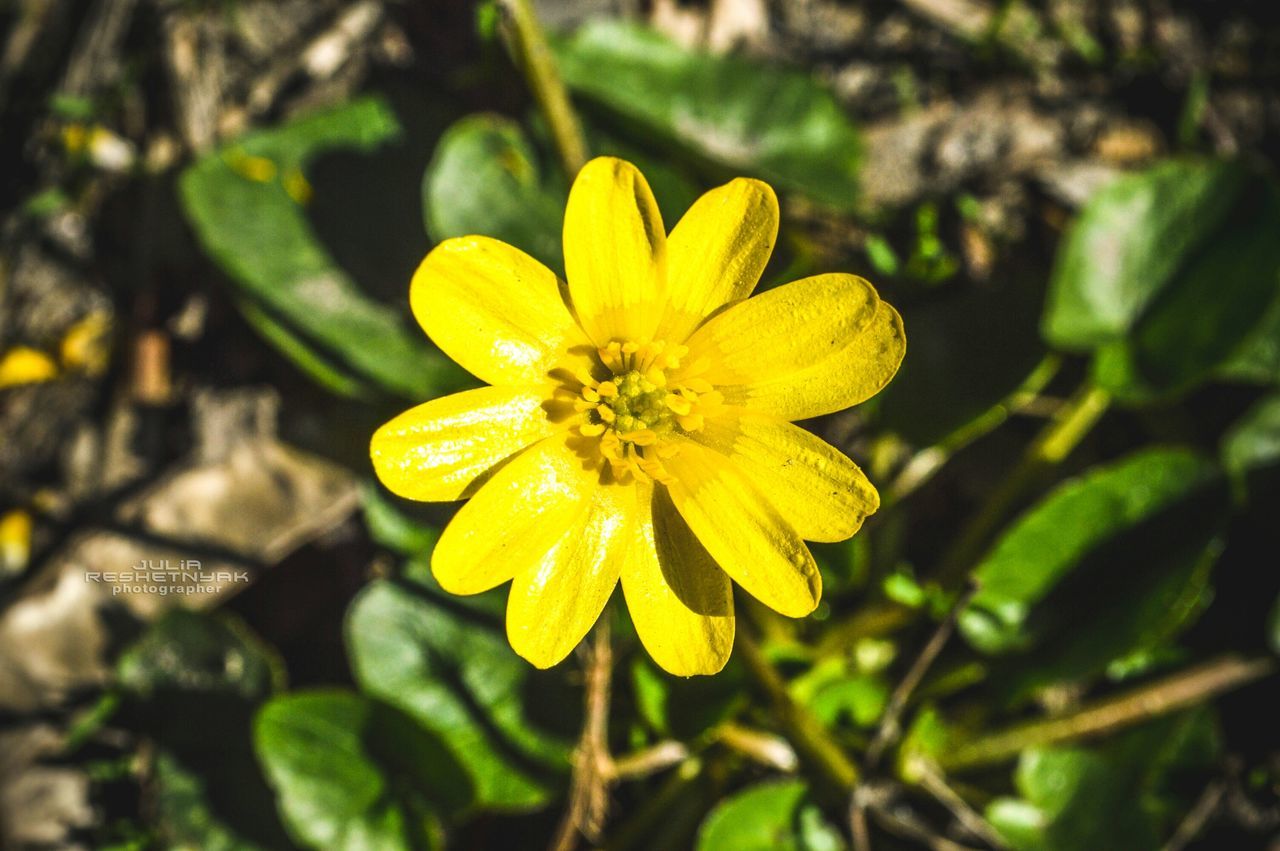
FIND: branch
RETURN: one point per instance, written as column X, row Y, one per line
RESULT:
column 891, row 722
column 1179, row 691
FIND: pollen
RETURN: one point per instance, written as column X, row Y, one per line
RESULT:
column 639, row 412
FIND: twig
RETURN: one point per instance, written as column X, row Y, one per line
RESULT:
column 858, row 828
column 533, row 55
column 765, row 748
column 651, row 760
column 932, row 781
column 881, row 802
column 593, row 769
column 1205, row 808
column 891, row 723
column 1181, row 690
column 812, row 742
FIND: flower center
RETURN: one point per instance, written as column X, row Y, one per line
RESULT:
column 645, row 403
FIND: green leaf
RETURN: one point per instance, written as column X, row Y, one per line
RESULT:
column 769, row 817
column 485, row 178
column 1251, row 449
column 746, row 117
column 350, row 772
column 239, row 203
column 1219, row 299
column 193, row 652
column 1119, row 795
column 1129, row 244
column 392, row 528
column 1168, row 276
column 452, row 671
column 191, row 684
column 1258, row 360
column 1090, row 521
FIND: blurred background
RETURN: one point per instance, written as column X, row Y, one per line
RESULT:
column 218, row 632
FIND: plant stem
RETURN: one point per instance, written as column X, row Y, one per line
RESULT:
column 891, row 721
column 1179, row 691
column 593, row 768
column 812, row 742
column 1051, row 447
column 533, row 55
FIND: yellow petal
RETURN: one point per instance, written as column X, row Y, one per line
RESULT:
column 717, row 252
column 441, row 450
column 614, row 251
column 553, row 604
column 841, row 380
column 681, row 602
column 819, row 491
column 748, row 537
column 515, row 519
column 782, row 330
column 493, row 309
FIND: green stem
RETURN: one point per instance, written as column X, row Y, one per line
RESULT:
column 1050, row 448
column 1179, row 691
column 533, row 55
column 813, row 744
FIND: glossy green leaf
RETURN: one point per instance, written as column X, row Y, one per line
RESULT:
column 774, row 816
column 450, row 668
column 1129, row 244
column 1217, row 302
column 353, row 773
column 1258, row 360
column 1251, row 449
column 744, row 116
column 241, row 204
column 485, row 178
column 389, row 526
column 1118, row 795
column 1079, row 520
column 1169, row 275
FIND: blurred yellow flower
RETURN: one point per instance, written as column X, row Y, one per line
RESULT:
column 637, row 426
column 25, row 365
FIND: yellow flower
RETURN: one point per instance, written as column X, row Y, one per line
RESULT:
column 637, row 427
column 25, row 365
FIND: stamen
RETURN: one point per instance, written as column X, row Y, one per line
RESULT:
column 637, row 413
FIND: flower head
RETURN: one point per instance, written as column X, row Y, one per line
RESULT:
column 637, row 426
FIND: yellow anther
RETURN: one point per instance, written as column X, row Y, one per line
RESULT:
column 679, row 403
column 641, row 437
column 692, row 422
column 638, row 411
